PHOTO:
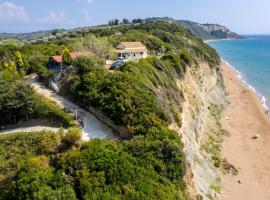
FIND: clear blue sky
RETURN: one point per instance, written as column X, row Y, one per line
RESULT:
column 242, row 16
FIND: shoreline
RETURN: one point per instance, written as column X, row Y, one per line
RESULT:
column 225, row 39
column 244, row 118
column 260, row 96
column 213, row 40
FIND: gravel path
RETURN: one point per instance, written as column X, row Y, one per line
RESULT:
column 29, row 129
column 93, row 128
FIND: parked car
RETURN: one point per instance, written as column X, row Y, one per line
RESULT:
column 117, row 64
column 124, row 59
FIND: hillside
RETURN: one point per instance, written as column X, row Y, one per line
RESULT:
column 168, row 103
column 203, row 31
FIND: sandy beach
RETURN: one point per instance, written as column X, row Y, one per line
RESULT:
column 244, row 118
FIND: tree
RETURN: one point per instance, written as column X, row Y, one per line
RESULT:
column 66, row 57
column 19, row 60
column 125, row 21
column 116, row 22
column 9, row 73
column 16, row 101
column 113, row 22
column 136, row 21
column 110, row 23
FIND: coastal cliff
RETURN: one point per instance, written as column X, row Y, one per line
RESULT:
column 168, row 103
column 201, row 132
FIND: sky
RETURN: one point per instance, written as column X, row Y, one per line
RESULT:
column 241, row 16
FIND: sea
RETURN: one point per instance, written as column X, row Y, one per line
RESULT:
column 250, row 58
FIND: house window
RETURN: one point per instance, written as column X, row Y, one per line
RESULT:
column 141, row 53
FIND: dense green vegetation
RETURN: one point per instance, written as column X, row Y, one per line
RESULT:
column 18, row 102
column 142, row 96
column 25, row 171
column 45, row 165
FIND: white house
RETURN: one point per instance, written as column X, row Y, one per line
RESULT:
column 131, row 50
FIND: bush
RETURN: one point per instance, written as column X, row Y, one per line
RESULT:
column 71, row 138
column 217, row 161
column 176, row 62
column 37, row 63
column 46, row 109
column 45, row 75
column 87, row 64
column 185, row 57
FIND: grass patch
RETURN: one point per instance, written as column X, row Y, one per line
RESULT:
column 177, row 117
column 216, row 186
column 213, row 147
column 215, row 111
column 209, row 196
column 214, row 140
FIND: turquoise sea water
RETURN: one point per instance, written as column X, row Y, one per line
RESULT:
column 250, row 57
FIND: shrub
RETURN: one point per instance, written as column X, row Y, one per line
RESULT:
column 47, row 109
column 185, row 57
column 217, row 161
column 87, row 64
column 71, row 138
column 37, row 63
column 176, row 62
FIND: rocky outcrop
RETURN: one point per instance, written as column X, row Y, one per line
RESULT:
column 209, row 31
column 218, row 31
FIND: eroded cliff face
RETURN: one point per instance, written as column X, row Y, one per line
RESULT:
column 204, row 96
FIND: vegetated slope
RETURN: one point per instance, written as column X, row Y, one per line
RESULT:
column 203, row 31
column 143, row 96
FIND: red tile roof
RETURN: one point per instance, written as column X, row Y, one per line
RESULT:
column 75, row 54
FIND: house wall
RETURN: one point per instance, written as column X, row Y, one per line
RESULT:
column 145, row 54
column 136, row 55
column 54, row 65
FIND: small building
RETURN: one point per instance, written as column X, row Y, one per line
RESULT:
column 56, row 62
column 131, row 50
